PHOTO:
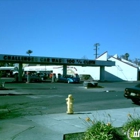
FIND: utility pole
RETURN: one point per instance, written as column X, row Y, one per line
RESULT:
column 96, row 48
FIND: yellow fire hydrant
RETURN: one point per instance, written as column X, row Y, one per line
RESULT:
column 69, row 104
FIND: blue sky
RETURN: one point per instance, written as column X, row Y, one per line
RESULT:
column 70, row 28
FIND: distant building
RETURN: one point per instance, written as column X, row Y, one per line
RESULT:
column 122, row 71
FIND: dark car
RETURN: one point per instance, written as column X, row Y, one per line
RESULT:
column 133, row 93
column 69, row 79
column 90, row 83
column 33, row 78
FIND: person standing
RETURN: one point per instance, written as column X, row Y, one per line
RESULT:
column 28, row 77
column 53, row 77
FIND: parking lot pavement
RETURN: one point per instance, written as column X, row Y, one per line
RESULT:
column 112, row 86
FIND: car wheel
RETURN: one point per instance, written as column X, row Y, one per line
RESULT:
column 135, row 101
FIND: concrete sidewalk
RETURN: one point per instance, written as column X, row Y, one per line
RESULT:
column 54, row 126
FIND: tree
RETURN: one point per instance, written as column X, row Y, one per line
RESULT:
column 29, row 52
column 137, row 61
column 126, row 56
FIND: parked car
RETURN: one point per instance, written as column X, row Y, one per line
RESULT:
column 33, row 78
column 42, row 76
column 90, row 83
column 133, row 93
column 69, row 79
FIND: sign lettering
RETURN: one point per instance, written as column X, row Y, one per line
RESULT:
column 48, row 60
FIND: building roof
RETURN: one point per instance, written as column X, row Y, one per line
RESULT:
column 124, row 62
column 104, row 57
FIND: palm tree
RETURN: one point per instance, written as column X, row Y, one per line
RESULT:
column 29, row 52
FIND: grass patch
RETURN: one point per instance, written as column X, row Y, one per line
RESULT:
column 6, row 112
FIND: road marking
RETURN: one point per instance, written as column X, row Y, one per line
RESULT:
column 52, row 96
column 47, row 96
column 34, row 97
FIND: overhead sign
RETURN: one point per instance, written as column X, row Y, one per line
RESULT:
column 48, row 60
column 16, row 58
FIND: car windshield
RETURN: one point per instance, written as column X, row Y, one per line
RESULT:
column 138, row 85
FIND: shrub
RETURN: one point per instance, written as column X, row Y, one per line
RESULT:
column 102, row 130
column 132, row 125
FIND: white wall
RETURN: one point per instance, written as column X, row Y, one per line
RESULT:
column 93, row 71
column 121, row 71
column 103, row 57
column 38, row 68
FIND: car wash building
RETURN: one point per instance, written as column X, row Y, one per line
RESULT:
column 123, row 70
column 101, row 64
